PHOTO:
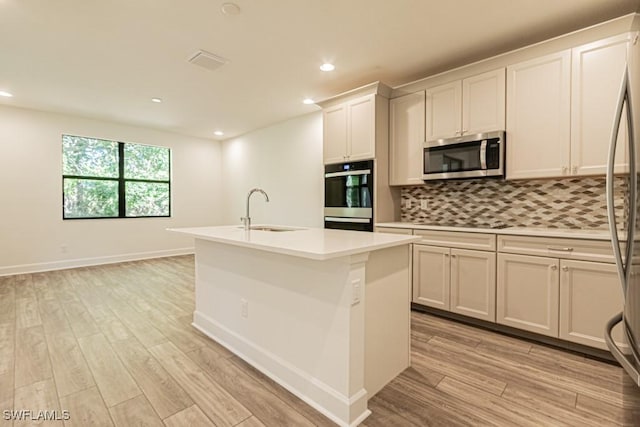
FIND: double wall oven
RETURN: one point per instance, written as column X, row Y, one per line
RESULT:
column 348, row 196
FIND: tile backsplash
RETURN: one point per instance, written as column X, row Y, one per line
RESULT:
column 554, row 203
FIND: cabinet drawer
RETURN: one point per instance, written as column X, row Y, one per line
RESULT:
column 586, row 250
column 456, row 239
column 394, row 230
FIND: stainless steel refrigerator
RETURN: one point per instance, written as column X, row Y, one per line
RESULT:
column 628, row 271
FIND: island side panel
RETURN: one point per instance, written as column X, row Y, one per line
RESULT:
column 301, row 327
column 387, row 316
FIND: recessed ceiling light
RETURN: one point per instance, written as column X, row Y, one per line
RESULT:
column 308, row 101
column 5, row 94
column 327, row 67
column 230, row 9
column 156, row 100
column 218, row 133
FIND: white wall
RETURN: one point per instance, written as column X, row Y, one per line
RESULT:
column 32, row 231
column 285, row 160
column 209, row 186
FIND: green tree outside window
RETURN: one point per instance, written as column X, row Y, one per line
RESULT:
column 109, row 179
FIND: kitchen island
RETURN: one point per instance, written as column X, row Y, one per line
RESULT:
column 325, row 313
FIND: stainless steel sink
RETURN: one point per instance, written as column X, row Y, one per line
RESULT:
column 274, row 228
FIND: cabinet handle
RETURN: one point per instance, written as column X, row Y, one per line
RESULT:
column 464, row 131
column 574, row 170
column 458, row 132
column 446, row 255
column 553, row 267
column 565, row 268
column 551, row 248
column 564, row 170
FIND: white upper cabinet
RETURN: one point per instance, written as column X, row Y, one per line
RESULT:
column 561, row 108
column 475, row 104
column 334, row 124
column 596, row 76
column 444, row 111
column 406, row 137
column 350, row 130
column 483, row 102
column 361, row 116
column 538, row 116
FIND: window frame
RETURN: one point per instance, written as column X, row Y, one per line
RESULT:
column 121, row 180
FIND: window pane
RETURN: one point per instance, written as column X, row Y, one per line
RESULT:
column 146, row 162
column 90, row 198
column 147, row 199
column 89, row 157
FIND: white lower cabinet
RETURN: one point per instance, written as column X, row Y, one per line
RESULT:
column 559, row 287
column 590, row 295
column 473, row 278
column 571, row 299
column 457, row 280
column 527, row 293
column 431, row 276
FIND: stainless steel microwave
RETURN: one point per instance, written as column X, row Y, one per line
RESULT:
column 469, row 156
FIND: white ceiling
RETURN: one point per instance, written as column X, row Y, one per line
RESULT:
column 107, row 59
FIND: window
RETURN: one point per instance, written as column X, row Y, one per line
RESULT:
column 109, row 179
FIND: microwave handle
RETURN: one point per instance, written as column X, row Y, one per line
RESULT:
column 483, row 154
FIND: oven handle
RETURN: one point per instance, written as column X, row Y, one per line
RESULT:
column 483, row 154
column 338, row 219
column 347, row 173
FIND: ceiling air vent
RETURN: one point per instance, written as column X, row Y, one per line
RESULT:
column 207, row 60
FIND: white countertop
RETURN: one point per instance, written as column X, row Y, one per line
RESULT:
column 568, row 233
column 312, row 243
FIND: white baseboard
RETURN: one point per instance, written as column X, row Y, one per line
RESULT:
column 87, row 262
column 320, row 396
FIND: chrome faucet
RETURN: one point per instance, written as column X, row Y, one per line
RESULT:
column 247, row 219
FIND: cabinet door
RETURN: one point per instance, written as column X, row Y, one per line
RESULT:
column 431, row 276
column 590, row 295
column 406, row 132
column 483, row 102
column 334, row 127
column 527, row 293
column 444, row 111
column 473, row 284
column 596, row 77
column 361, row 122
column 538, row 117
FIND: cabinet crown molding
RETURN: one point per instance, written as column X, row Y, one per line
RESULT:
column 375, row 88
column 441, row 75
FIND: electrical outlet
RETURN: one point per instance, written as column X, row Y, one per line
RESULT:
column 423, row 204
column 407, row 203
column 244, row 311
column 355, row 292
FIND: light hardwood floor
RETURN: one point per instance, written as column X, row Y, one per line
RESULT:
column 113, row 345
